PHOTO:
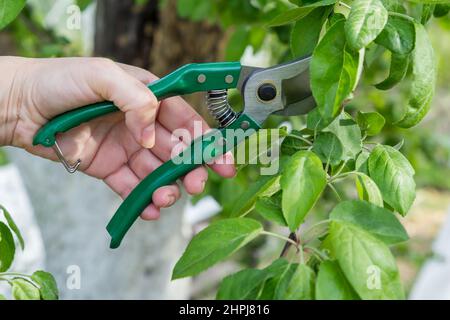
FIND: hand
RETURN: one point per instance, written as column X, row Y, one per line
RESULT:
column 121, row 148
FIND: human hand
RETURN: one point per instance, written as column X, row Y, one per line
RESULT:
column 121, row 148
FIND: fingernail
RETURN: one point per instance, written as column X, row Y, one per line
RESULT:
column 170, row 200
column 148, row 137
column 203, row 184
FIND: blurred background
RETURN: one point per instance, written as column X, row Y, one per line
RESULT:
column 63, row 216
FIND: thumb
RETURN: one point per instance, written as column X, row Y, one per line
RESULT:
column 131, row 96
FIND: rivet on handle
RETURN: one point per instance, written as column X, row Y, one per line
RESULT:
column 71, row 168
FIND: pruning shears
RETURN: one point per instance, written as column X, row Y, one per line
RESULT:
column 282, row 89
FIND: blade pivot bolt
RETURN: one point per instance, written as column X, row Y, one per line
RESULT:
column 267, row 92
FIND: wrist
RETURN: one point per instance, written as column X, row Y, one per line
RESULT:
column 11, row 96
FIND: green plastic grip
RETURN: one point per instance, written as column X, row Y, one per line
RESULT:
column 195, row 77
column 201, row 151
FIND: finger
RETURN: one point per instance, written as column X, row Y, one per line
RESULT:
column 176, row 113
column 112, row 83
column 166, row 145
column 151, row 213
column 123, row 181
column 142, row 163
column 224, row 165
column 141, row 74
column 166, row 196
column 195, row 181
column 164, row 149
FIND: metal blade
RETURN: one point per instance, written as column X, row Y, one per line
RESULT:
column 298, row 97
column 287, row 83
column 246, row 72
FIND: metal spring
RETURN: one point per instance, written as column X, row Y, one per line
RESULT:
column 220, row 109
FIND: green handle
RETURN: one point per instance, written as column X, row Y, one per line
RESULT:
column 190, row 78
column 202, row 150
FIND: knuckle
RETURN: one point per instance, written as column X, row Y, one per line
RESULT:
column 103, row 63
column 149, row 100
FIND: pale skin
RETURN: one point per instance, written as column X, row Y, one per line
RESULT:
column 121, row 148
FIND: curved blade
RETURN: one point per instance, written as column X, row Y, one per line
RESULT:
column 297, row 95
column 293, row 91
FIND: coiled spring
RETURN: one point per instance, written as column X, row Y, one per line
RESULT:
column 220, row 109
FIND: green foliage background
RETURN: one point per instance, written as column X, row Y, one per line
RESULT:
column 392, row 33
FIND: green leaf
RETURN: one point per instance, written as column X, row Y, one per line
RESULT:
column 266, row 140
column 2, row 297
column 289, row 16
column 393, row 175
column 331, row 283
column 362, row 163
column 243, row 285
column 427, row 13
column 24, row 290
column 334, row 72
column 349, row 133
column 302, row 182
column 335, row 18
column 423, row 80
column 370, row 122
column 295, row 14
column 257, row 37
column 195, row 10
column 282, row 281
column 12, row 225
column 277, row 270
column 7, row 247
column 215, row 243
column 368, row 190
column 306, row 32
column 398, row 36
column 314, row 120
column 313, row 3
column 365, row 22
column 270, row 209
column 265, row 186
column 293, row 142
column 329, row 148
column 9, row 9
column 47, row 285
column 397, row 71
column 378, row 221
column 441, row 10
column 301, row 284
column 395, row 6
column 237, row 44
column 430, row 1
column 83, row 4
column 366, row 262
column 248, row 284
